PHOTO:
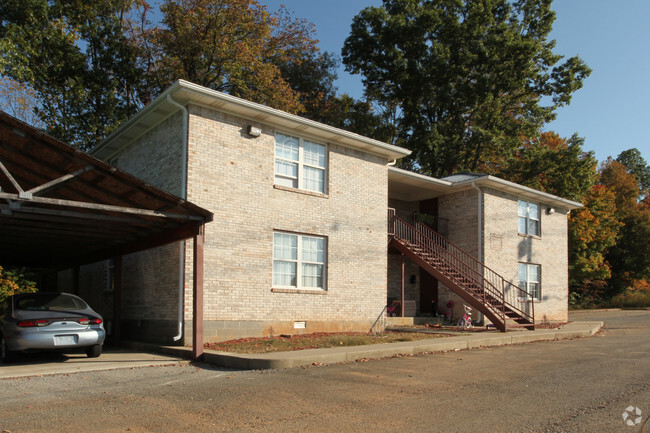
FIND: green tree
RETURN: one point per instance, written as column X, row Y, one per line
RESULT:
column 630, row 258
column 94, row 63
column 638, row 167
column 312, row 78
column 551, row 164
column 358, row 116
column 76, row 57
column 469, row 77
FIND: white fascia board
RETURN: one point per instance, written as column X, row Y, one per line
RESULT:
column 523, row 191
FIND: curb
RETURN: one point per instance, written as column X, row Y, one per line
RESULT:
column 301, row 358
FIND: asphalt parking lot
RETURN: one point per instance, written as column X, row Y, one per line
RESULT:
column 41, row 364
column 44, row 363
column 582, row 385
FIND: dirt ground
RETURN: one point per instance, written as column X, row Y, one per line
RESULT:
column 581, row 385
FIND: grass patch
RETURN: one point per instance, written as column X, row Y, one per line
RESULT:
column 314, row 341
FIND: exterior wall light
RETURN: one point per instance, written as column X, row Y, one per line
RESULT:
column 253, row 131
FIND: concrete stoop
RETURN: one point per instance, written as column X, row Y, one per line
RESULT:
column 300, row 358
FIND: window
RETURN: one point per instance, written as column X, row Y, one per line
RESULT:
column 528, row 218
column 300, row 163
column 298, row 261
column 529, row 279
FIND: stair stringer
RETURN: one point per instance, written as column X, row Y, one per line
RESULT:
column 498, row 322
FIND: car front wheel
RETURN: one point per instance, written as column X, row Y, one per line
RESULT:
column 94, row 351
column 6, row 354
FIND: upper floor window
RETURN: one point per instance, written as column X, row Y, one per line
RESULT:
column 300, row 163
column 528, row 218
column 299, row 261
column 529, row 279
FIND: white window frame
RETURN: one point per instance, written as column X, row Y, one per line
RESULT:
column 526, row 283
column 300, row 261
column 301, row 164
column 527, row 218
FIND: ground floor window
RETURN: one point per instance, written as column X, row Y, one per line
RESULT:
column 530, row 279
column 299, row 261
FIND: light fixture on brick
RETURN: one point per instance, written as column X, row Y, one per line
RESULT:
column 253, row 131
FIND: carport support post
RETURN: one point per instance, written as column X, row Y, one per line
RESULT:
column 117, row 299
column 401, row 304
column 197, row 321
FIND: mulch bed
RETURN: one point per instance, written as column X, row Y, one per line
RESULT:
column 313, row 341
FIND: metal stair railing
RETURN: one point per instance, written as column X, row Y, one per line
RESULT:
column 514, row 297
column 503, row 298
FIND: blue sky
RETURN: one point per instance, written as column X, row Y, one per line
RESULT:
column 610, row 112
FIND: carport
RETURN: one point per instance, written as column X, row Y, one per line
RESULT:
column 60, row 208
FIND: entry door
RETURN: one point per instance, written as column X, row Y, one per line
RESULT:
column 428, row 292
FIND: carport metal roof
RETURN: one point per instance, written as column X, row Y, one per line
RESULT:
column 61, row 207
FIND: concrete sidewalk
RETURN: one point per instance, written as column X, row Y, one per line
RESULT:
column 353, row 353
column 43, row 364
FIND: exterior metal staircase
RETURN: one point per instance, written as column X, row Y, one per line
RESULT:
column 503, row 303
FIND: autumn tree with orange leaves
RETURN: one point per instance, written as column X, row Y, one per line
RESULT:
column 93, row 64
column 592, row 232
column 13, row 281
column 609, row 238
column 234, row 46
column 630, row 258
column 19, row 100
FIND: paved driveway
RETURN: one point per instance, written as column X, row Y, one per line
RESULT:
column 39, row 364
column 581, row 385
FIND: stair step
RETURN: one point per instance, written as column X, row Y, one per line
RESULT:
column 436, row 257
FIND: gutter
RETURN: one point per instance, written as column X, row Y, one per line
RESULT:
column 480, row 232
column 183, row 195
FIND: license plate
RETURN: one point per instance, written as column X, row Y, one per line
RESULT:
column 65, row 340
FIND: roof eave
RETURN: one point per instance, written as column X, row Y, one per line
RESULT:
column 520, row 190
column 186, row 93
column 419, row 177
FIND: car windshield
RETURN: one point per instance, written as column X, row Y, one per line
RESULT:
column 54, row 301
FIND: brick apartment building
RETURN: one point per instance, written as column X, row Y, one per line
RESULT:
column 302, row 240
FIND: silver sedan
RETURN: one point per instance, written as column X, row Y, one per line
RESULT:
column 49, row 321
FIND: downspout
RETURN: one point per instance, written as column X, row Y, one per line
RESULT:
column 183, row 194
column 392, row 164
column 480, row 233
